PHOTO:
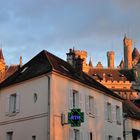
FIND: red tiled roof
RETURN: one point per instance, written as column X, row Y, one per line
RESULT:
column 112, row 74
column 131, row 110
column 11, row 70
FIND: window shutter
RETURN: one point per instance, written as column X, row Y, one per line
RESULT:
column 106, row 137
column 121, row 116
column 80, row 101
column 81, row 136
column 7, row 105
column 87, row 104
column 17, row 103
column 71, row 134
column 114, row 113
column 70, row 99
column 77, row 100
column 95, row 107
column 106, row 110
column 113, row 138
column 111, row 113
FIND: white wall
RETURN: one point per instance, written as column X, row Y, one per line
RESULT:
column 98, row 125
column 129, row 125
column 32, row 118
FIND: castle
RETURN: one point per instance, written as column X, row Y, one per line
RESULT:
column 122, row 79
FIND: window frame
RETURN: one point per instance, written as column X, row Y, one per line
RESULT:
column 12, row 103
column 118, row 115
column 75, row 99
column 9, row 135
column 109, row 112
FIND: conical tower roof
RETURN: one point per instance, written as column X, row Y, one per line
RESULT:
column 135, row 54
column 121, row 65
column 90, row 62
column 1, row 54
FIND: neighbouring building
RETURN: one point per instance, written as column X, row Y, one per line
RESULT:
column 36, row 99
column 131, row 120
column 6, row 71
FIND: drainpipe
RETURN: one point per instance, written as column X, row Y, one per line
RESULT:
column 49, row 114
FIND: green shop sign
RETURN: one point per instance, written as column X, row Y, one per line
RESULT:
column 75, row 117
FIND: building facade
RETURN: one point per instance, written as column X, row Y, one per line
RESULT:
column 35, row 102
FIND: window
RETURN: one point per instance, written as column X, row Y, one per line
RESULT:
column 118, row 138
column 76, row 134
column 90, row 136
column 118, row 115
column 110, row 137
column 91, row 105
column 33, row 137
column 109, row 111
column 75, row 99
column 9, row 136
column 12, row 104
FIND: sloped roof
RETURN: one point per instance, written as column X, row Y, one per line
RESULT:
column 112, row 74
column 46, row 62
column 11, row 70
column 137, row 103
column 131, row 110
column 1, row 54
column 90, row 63
column 135, row 54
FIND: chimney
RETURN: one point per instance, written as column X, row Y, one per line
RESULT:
column 71, row 57
column 79, row 65
column 20, row 63
column 110, row 59
column 104, row 75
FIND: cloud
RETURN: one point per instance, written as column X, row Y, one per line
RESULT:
column 29, row 26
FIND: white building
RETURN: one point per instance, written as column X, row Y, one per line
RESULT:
column 131, row 120
column 33, row 100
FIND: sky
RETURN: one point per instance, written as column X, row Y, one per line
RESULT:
column 97, row 26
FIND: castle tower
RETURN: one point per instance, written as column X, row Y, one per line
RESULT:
column 110, row 59
column 74, row 54
column 127, row 53
column 2, row 66
column 83, row 55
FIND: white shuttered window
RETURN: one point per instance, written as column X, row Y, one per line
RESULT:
column 12, row 104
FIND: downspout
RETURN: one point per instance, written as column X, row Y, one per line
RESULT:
column 49, row 114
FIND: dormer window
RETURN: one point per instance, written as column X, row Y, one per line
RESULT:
column 94, row 74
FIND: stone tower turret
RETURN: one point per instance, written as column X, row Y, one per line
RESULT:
column 2, row 66
column 74, row 54
column 110, row 59
column 127, row 53
column 83, row 55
